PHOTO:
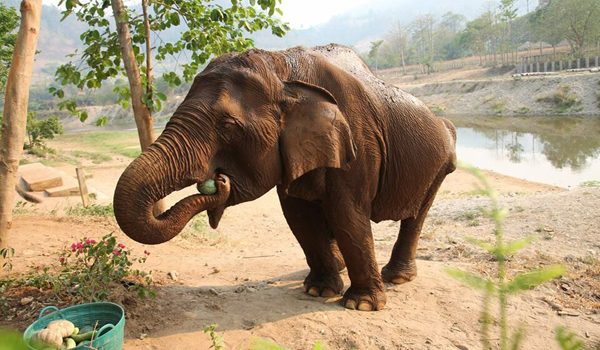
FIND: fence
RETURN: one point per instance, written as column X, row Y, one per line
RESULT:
column 550, row 65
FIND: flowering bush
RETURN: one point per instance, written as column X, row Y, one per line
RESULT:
column 90, row 269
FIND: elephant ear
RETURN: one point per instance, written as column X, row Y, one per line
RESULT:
column 315, row 134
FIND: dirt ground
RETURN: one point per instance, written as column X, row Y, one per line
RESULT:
column 247, row 275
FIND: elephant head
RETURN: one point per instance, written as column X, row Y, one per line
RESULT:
column 241, row 125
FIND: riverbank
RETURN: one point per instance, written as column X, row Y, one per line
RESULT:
column 480, row 92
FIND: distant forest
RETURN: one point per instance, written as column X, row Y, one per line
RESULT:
column 495, row 36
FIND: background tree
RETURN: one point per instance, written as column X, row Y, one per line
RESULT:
column 9, row 20
column 578, row 20
column 374, row 52
column 185, row 35
column 40, row 130
column 507, row 14
column 15, row 109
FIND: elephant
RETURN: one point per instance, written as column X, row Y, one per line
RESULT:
column 341, row 146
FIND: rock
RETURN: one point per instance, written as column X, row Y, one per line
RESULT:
column 251, row 290
column 26, row 301
column 565, row 287
column 461, row 347
column 214, row 292
column 568, row 312
column 172, row 275
column 143, row 336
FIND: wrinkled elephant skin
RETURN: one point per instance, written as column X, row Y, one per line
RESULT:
column 341, row 146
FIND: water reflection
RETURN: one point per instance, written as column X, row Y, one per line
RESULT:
column 563, row 151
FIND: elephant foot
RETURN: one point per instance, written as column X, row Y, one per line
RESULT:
column 365, row 299
column 326, row 286
column 399, row 273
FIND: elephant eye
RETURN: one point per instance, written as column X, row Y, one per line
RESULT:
column 228, row 127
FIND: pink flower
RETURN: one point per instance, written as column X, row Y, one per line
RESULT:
column 73, row 247
column 121, row 245
column 146, row 252
column 90, row 241
column 62, row 259
column 117, row 252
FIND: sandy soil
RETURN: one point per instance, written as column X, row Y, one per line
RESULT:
column 247, row 275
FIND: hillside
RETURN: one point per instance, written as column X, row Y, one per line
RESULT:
column 486, row 91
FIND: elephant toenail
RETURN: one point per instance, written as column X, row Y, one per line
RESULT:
column 364, row 306
column 313, row 291
column 328, row 293
column 350, row 304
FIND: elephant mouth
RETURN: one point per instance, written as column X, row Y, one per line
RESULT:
column 215, row 212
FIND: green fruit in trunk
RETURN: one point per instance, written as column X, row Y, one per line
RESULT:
column 208, row 187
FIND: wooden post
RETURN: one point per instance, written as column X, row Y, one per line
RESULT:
column 85, row 198
column 14, row 119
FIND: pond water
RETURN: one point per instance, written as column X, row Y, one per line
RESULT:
column 562, row 151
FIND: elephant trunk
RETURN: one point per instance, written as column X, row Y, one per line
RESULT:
column 152, row 177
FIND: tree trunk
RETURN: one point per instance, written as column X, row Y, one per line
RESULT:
column 149, row 75
column 141, row 112
column 15, row 110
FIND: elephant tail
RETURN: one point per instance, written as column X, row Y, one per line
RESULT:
column 452, row 131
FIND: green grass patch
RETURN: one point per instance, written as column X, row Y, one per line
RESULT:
column 95, row 157
column 92, row 210
column 103, row 144
column 591, row 183
column 563, row 99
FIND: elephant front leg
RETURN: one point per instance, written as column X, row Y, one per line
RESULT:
column 307, row 222
column 352, row 230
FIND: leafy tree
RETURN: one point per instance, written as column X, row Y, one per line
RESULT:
column 508, row 13
column 9, row 20
column 422, row 38
column 205, row 28
column 578, row 20
column 374, row 51
column 38, row 131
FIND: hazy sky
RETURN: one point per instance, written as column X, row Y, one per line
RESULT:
column 306, row 13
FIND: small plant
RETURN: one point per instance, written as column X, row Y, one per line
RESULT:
column 216, row 339
column 523, row 110
column 562, row 98
column 91, row 210
column 498, row 106
column 89, row 269
column 471, row 217
column 500, row 286
column 438, row 110
column 38, row 131
column 7, row 254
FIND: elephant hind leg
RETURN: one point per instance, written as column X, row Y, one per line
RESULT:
column 308, row 223
column 402, row 267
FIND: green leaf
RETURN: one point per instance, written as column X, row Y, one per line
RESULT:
column 161, row 96
column 490, row 248
column 471, row 280
column 568, row 340
column 319, row 346
column 83, row 116
column 531, row 279
column 516, row 245
column 264, row 344
column 174, row 18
